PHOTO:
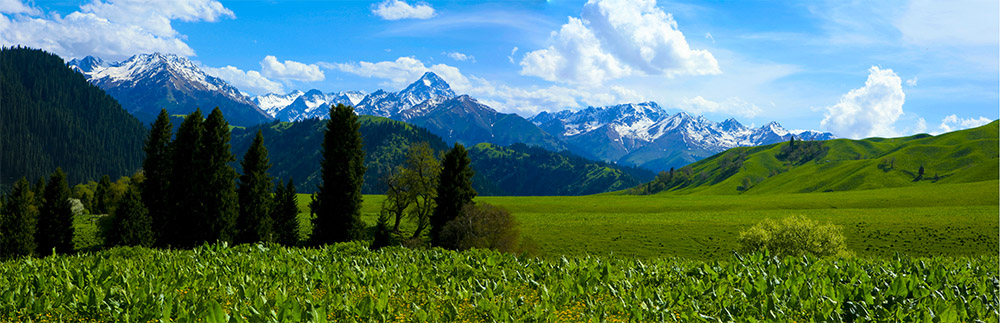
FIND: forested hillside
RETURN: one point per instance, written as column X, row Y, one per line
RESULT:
column 840, row 165
column 53, row 118
column 294, row 149
column 522, row 170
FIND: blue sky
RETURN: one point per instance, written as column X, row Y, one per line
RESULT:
column 857, row 69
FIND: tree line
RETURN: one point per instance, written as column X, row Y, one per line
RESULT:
column 188, row 194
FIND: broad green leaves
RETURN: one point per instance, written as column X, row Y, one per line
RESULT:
column 346, row 282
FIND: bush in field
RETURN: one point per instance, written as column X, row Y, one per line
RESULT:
column 794, row 236
column 482, row 226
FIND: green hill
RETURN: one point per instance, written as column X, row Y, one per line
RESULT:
column 839, row 165
column 294, row 151
column 51, row 117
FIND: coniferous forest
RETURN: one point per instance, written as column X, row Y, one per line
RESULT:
column 53, row 118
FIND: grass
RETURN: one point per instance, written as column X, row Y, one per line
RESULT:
column 923, row 220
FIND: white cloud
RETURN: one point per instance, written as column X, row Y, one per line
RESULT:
column 397, row 9
column 16, row 6
column 953, row 123
column 870, row 110
column 912, row 82
column 511, row 56
column 731, row 106
column 290, row 70
column 525, row 101
column 617, row 38
column 461, row 57
column 111, row 30
column 709, row 37
column 969, row 22
column 249, row 81
column 402, row 72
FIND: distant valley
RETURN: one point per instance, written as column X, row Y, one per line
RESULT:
column 635, row 134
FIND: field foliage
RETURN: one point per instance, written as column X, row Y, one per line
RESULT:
column 346, row 282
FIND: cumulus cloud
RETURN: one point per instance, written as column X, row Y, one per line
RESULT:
column 290, row 70
column 731, row 106
column 16, row 6
column 870, row 110
column 111, row 30
column 953, row 123
column 461, row 57
column 912, row 82
column 249, row 81
column 617, row 38
column 397, row 9
column 526, row 101
column 402, row 72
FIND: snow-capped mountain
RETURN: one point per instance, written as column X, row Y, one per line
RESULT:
column 386, row 104
column 143, row 84
column 644, row 134
column 298, row 105
column 271, row 103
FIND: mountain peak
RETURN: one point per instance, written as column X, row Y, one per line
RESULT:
column 429, row 84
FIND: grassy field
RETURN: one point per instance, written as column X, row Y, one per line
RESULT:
column 923, row 220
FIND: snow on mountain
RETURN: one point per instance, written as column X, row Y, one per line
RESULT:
column 385, row 104
column 311, row 104
column 643, row 133
column 274, row 102
column 145, row 83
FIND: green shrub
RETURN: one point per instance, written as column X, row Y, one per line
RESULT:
column 794, row 236
column 483, row 226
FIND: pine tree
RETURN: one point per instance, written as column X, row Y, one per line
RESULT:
column 336, row 206
column 454, row 190
column 18, row 219
column 55, row 217
column 254, row 221
column 131, row 224
column 102, row 196
column 218, row 190
column 285, row 215
column 157, row 167
column 183, row 226
column 382, row 232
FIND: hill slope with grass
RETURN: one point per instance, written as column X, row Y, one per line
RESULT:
column 964, row 156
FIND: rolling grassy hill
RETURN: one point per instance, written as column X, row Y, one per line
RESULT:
column 840, row 165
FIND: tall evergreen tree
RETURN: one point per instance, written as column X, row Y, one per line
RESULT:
column 55, row 217
column 102, row 196
column 182, row 227
column 254, row 221
column 218, row 189
column 454, row 190
column 336, row 206
column 18, row 219
column 157, row 168
column 285, row 214
column 131, row 225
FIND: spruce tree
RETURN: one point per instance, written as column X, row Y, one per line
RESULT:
column 102, row 196
column 184, row 224
column 131, row 224
column 157, row 167
column 55, row 217
column 218, row 189
column 382, row 232
column 18, row 219
column 454, row 191
column 285, row 214
column 336, row 206
column 254, row 221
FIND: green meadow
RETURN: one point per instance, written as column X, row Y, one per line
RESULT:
column 922, row 220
